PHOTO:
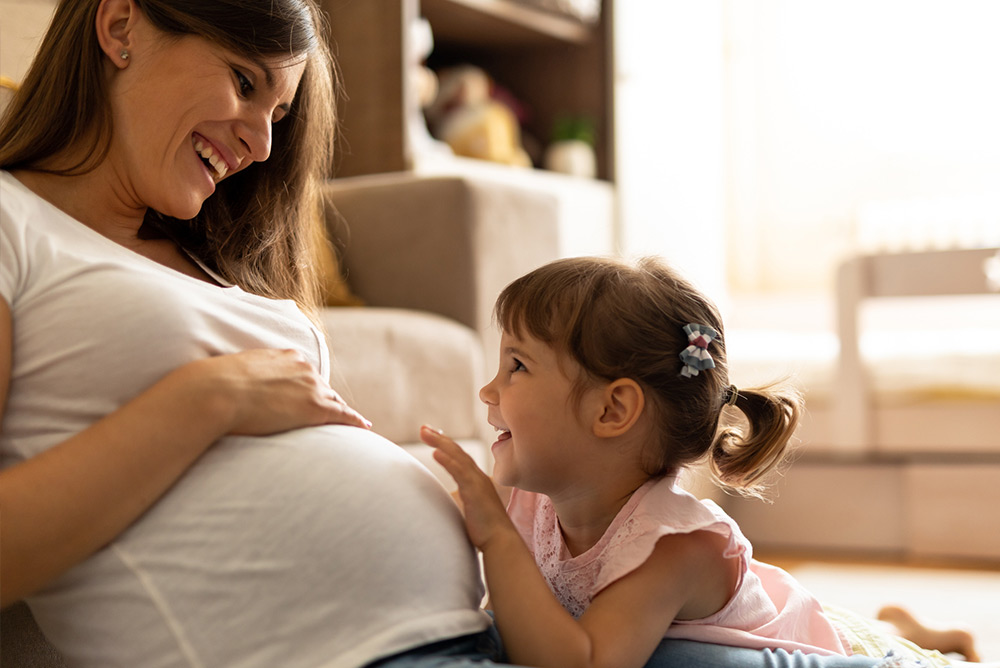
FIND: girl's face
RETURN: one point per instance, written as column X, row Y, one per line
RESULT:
column 541, row 427
column 188, row 114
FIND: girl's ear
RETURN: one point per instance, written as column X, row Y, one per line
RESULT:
column 622, row 404
column 114, row 23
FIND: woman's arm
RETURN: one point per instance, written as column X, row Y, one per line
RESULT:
column 59, row 507
column 685, row 576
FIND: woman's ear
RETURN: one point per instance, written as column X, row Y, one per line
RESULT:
column 622, row 404
column 114, row 23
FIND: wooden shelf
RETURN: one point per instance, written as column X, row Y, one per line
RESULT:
column 501, row 23
column 555, row 65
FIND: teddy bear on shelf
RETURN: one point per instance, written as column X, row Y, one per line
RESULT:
column 467, row 116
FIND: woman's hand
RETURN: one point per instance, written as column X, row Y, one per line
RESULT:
column 485, row 515
column 273, row 391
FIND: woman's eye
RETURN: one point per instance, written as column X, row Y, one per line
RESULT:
column 244, row 84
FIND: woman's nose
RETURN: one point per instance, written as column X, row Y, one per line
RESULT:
column 256, row 137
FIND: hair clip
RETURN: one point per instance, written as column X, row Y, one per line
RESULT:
column 696, row 356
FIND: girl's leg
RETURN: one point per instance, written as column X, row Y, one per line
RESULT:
column 944, row 640
column 690, row 654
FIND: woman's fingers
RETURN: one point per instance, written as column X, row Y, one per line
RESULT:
column 277, row 390
column 341, row 413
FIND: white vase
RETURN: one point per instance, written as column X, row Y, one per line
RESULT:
column 571, row 156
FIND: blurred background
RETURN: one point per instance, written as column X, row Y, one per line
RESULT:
column 829, row 172
column 763, row 144
column 806, row 132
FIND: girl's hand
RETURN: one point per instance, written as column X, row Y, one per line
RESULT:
column 485, row 515
column 271, row 391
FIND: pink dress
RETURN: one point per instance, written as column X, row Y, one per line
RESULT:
column 769, row 609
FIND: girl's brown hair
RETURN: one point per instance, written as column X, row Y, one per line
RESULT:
column 262, row 228
column 619, row 320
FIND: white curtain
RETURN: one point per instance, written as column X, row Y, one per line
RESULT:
column 778, row 136
column 669, row 134
column 858, row 125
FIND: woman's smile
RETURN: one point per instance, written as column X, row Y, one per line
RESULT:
column 211, row 157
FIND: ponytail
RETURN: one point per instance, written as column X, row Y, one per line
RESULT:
column 741, row 459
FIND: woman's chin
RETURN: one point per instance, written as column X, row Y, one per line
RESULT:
column 183, row 210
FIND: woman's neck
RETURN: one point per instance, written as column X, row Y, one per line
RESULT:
column 91, row 198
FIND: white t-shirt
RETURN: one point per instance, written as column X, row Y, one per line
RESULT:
column 325, row 546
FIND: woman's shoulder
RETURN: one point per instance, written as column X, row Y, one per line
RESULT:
column 15, row 211
column 20, row 208
column 14, row 197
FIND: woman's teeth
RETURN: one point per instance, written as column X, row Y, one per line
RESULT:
column 209, row 156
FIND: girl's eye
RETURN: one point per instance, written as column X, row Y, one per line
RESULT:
column 518, row 366
column 244, row 84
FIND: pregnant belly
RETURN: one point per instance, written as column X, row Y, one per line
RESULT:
column 270, row 543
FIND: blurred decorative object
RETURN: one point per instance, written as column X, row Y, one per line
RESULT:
column 572, row 148
column 422, row 91
column 573, row 157
column 992, row 268
column 469, row 115
column 7, row 89
column 588, row 11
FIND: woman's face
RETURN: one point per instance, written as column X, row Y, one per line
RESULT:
column 188, row 113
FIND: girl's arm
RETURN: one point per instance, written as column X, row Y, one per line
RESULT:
column 59, row 507
column 686, row 577
column 625, row 622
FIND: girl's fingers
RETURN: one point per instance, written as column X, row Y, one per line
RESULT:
column 432, row 435
column 435, row 438
column 450, row 454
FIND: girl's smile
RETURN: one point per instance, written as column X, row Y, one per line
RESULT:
column 502, row 436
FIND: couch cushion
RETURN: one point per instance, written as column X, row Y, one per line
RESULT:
column 403, row 368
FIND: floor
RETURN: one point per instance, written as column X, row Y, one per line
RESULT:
column 963, row 596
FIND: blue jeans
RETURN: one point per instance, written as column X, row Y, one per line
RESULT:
column 483, row 650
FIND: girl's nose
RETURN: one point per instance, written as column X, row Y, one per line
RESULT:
column 487, row 393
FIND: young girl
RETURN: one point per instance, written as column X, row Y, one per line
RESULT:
column 612, row 379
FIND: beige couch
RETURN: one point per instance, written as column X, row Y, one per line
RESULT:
column 900, row 453
column 428, row 257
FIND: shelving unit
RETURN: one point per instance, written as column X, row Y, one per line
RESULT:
column 500, row 23
column 555, row 65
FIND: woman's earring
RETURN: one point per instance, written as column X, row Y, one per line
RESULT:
column 124, row 54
